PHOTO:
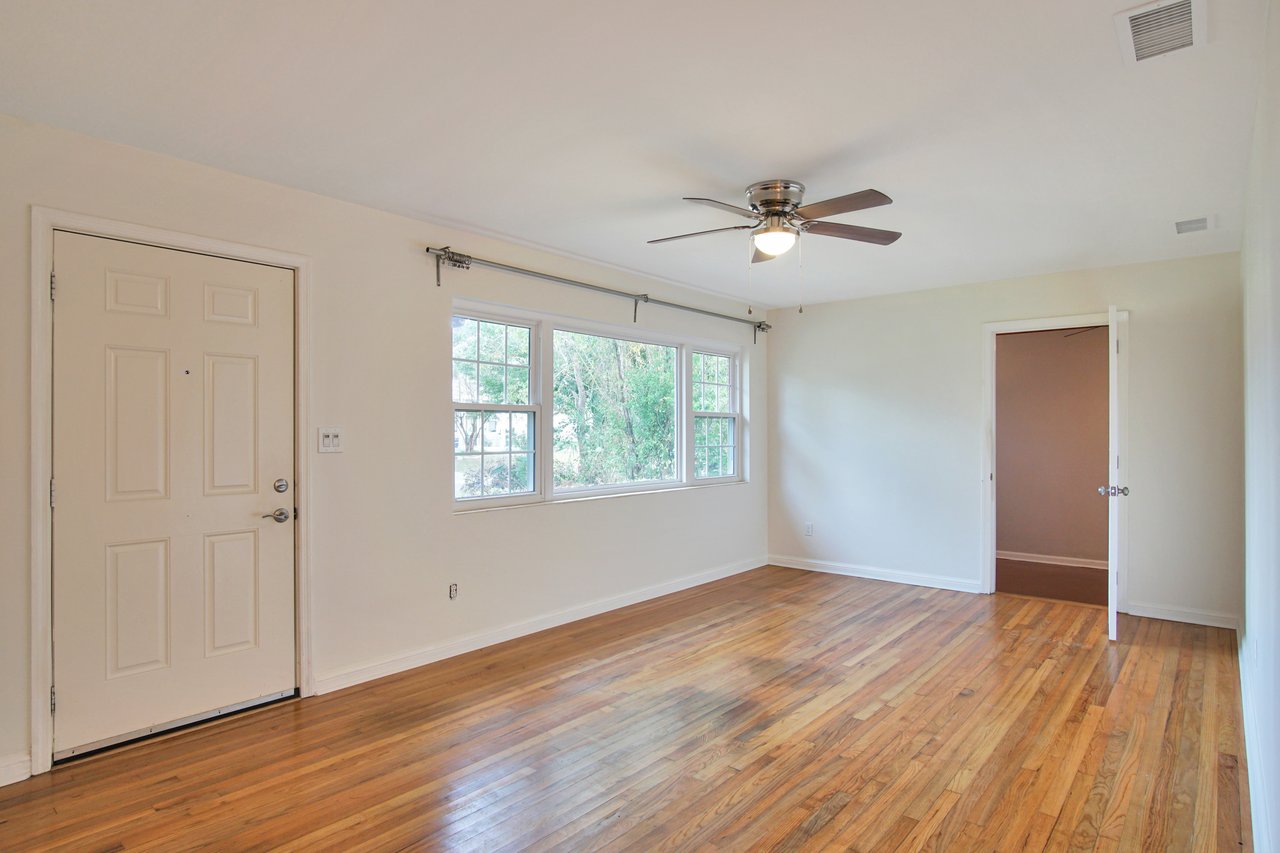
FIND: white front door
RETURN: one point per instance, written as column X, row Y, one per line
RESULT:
column 173, row 408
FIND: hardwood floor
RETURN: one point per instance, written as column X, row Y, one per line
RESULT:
column 1049, row 580
column 777, row 709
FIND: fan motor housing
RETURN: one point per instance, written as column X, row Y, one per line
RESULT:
column 775, row 197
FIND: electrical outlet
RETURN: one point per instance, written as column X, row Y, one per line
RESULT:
column 453, row 591
column 808, row 528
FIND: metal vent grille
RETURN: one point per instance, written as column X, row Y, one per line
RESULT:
column 1161, row 30
column 1186, row 226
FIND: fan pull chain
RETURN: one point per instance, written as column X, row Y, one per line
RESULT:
column 750, row 251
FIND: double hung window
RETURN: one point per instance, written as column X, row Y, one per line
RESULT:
column 494, row 420
column 546, row 410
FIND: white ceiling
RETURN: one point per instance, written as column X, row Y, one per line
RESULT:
column 1012, row 135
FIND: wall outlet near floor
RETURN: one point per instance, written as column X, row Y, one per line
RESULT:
column 808, row 528
column 453, row 591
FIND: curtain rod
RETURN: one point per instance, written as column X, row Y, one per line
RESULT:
column 460, row 261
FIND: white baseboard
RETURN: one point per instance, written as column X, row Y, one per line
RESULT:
column 329, row 682
column 1212, row 618
column 1266, row 836
column 1080, row 562
column 872, row 573
column 14, row 768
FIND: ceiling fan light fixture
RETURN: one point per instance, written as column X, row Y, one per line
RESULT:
column 775, row 238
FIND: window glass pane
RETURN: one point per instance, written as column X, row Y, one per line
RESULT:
column 697, row 366
column 614, row 414
column 492, row 383
column 521, row 428
column 517, row 345
column 464, row 338
column 726, row 462
column 466, row 432
column 464, row 381
column 722, row 399
column 518, row 386
column 496, row 474
column 522, row 472
column 497, row 431
column 466, row 476
column 493, row 342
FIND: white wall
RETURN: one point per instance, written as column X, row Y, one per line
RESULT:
column 1051, row 443
column 1260, row 641
column 877, row 427
column 386, row 542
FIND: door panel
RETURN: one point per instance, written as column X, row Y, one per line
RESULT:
column 173, row 416
column 137, row 423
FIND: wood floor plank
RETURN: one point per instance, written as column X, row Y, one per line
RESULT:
column 777, row 709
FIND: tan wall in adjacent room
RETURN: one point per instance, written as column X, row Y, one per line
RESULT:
column 1051, row 443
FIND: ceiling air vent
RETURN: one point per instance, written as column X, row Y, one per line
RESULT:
column 1186, row 226
column 1162, row 27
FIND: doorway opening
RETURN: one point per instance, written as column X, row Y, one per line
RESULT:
column 1052, row 390
column 1111, row 491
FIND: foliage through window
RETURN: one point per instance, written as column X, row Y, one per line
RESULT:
column 493, row 420
column 541, row 412
column 715, row 426
column 614, row 417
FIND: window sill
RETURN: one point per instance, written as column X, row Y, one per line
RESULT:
column 573, row 499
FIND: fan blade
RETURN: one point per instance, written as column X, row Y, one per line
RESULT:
column 852, row 232
column 700, row 233
column 719, row 205
column 843, row 204
column 759, row 257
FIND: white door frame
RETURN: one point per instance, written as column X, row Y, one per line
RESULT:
column 1118, row 575
column 44, row 221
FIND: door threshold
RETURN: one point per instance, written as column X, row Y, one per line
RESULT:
column 172, row 725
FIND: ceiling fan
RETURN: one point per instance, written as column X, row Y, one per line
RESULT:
column 779, row 218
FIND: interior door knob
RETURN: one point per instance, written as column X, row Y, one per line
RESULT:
column 281, row 515
column 1102, row 490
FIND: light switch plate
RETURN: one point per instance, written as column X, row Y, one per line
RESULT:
column 329, row 440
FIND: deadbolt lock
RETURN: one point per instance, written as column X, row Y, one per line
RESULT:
column 281, row 485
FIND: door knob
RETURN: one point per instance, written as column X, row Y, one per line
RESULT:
column 281, row 515
column 1102, row 490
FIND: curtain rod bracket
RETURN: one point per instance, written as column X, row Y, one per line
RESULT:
column 457, row 260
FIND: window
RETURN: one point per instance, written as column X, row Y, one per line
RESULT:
column 494, row 421
column 614, row 417
column 544, row 410
column 715, row 426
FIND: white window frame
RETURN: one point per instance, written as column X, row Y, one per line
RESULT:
column 542, row 403
column 734, row 411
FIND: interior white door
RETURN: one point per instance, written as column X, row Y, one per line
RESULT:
column 173, row 417
column 1118, row 325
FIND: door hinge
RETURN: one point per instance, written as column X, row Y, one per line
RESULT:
column 51, row 493
column 53, row 287
column 1117, row 347
column 53, row 701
